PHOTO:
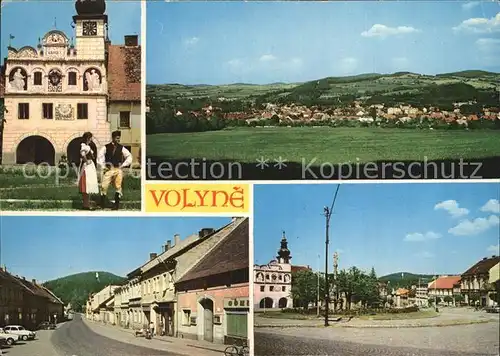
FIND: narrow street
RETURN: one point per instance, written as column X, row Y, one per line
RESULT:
column 74, row 338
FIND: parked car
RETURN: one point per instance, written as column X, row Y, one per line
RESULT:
column 8, row 339
column 494, row 309
column 21, row 331
column 46, row 326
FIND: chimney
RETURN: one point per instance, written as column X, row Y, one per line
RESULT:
column 177, row 239
column 152, row 255
column 33, row 281
column 205, row 232
column 484, row 259
column 131, row 41
column 169, row 245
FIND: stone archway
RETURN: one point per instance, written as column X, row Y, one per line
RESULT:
column 282, row 303
column 266, row 303
column 35, row 149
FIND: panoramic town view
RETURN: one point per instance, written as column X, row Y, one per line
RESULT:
column 356, row 84
column 409, row 269
column 70, row 105
column 182, row 291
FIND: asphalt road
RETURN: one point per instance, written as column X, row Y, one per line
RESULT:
column 74, row 338
column 269, row 344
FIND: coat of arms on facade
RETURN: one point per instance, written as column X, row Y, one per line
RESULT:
column 55, row 81
column 64, row 112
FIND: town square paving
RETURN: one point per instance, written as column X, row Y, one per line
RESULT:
column 473, row 339
column 446, row 317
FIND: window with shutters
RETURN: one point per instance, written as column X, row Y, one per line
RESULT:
column 124, row 119
column 23, row 111
column 82, row 111
column 72, row 78
column 37, row 79
column 48, row 111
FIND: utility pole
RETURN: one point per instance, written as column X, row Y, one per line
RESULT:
column 317, row 296
column 328, row 215
column 335, row 281
column 327, row 286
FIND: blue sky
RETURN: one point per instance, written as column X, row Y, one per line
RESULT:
column 45, row 248
column 124, row 18
column 419, row 228
column 267, row 42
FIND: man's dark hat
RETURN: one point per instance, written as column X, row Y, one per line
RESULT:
column 116, row 133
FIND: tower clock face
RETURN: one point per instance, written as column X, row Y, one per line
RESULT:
column 90, row 28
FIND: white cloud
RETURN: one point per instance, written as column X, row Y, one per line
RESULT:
column 424, row 254
column 383, row 31
column 235, row 62
column 494, row 249
column 470, row 5
column 267, row 58
column 347, row 65
column 417, row 236
column 488, row 44
column 474, row 227
column 191, row 41
column 479, row 25
column 491, row 206
column 451, row 206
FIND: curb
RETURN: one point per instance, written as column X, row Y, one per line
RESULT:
column 366, row 326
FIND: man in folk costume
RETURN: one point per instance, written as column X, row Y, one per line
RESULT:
column 113, row 158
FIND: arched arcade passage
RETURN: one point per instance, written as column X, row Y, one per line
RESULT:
column 35, row 149
column 282, row 303
column 266, row 303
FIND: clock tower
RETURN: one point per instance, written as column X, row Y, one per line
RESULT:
column 91, row 29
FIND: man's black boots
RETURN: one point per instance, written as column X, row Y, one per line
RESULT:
column 116, row 205
column 103, row 201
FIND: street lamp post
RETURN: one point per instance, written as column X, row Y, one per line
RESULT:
column 328, row 215
column 327, row 284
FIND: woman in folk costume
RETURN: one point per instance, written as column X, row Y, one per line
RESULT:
column 87, row 180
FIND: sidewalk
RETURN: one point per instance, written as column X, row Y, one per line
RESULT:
column 163, row 343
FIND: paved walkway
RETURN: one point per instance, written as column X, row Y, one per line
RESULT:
column 446, row 317
column 39, row 347
column 172, row 344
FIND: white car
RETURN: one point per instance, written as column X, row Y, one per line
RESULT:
column 10, row 339
column 21, row 331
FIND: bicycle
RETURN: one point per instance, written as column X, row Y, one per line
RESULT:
column 234, row 350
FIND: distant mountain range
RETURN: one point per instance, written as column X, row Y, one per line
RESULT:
column 76, row 288
column 463, row 84
column 406, row 279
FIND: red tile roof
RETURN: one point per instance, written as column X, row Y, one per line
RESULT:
column 402, row 291
column 482, row 267
column 124, row 73
column 445, row 282
column 230, row 254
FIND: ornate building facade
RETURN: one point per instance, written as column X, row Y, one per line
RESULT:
column 273, row 282
column 56, row 91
